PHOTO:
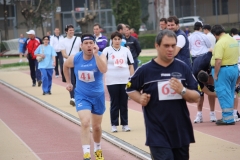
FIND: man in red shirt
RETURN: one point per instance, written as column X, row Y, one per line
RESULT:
column 31, row 44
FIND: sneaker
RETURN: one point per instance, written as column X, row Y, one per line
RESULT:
column 44, row 93
column 221, row 122
column 34, row 84
column 39, row 83
column 236, row 119
column 72, row 102
column 49, row 92
column 98, row 155
column 213, row 117
column 86, row 156
column 125, row 128
column 57, row 76
column 20, row 61
column 114, row 129
column 198, row 119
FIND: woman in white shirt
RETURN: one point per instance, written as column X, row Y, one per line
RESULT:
column 120, row 68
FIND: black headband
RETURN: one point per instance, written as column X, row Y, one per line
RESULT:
column 88, row 37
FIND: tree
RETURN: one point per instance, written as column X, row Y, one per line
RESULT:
column 86, row 23
column 36, row 12
column 5, row 13
column 144, row 8
column 127, row 12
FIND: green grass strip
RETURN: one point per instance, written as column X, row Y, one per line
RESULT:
column 13, row 65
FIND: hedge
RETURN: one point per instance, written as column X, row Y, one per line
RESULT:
column 2, row 47
column 147, row 40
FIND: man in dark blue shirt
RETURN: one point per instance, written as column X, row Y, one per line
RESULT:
column 163, row 86
column 201, row 66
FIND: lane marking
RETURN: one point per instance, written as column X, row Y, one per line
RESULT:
column 20, row 139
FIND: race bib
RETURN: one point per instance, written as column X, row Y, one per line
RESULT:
column 86, row 76
column 119, row 61
column 166, row 93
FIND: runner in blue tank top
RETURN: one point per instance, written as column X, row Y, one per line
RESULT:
column 89, row 66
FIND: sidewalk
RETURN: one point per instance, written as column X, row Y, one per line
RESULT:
column 207, row 146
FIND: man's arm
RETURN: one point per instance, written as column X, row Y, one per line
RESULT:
column 208, row 92
column 142, row 99
column 66, row 68
column 137, row 46
column 64, row 54
column 191, row 96
column 181, row 41
column 218, row 63
column 100, row 60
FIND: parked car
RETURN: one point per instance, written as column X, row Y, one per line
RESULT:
column 143, row 28
column 189, row 21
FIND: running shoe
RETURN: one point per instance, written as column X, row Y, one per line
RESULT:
column 125, row 128
column 72, row 102
column 98, row 155
column 87, row 156
column 34, row 84
column 236, row 119
column 39, row 83
column 198, row 119
column 114, row 129
column 221, row 122
column 213, row 117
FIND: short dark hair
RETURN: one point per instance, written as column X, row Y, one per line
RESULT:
column 197, row 26
column 163, row 33
column 127, row 26
column 173, row 19
column 68, row 26
column 163, row 19
column 46, row 37
column 217, row 30
column 234, row 31
column 116, row 34
column 97, row 24
column 207, row 26
column 202, row 77
column 119, row 27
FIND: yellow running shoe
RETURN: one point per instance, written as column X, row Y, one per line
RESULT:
column 98, row 155
column 87, row 156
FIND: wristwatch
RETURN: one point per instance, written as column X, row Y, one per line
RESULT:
column 183, row 91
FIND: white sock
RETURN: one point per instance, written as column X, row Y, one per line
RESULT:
column 199, row 112
column 97, row 146
column 234, row 112
column 212, row 112
column 86, row 149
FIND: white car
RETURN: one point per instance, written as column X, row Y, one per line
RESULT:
column 189, row 21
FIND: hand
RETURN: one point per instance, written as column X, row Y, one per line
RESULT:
column 54, row 64
column 128, row 47
column 215, row 77
column 69, row 87
column 144, row 99
column 95, row 49
column 176, row 85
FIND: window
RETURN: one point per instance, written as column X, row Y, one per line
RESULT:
column 215, row 5
column 224, row 6
column 188, row 20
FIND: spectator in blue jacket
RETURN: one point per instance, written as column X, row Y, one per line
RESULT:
column 134, row 46
column 100, row 39
column 21, row 42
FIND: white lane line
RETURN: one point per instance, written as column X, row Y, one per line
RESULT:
column 21, row 140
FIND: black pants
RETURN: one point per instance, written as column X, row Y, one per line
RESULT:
column 59, row 59
column 119, row 101
column 34, row 71
column 159, row 153
column 73, row 81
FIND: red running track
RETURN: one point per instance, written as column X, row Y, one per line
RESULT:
column 48, row 134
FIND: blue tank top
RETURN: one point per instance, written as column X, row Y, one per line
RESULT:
column 89, row 80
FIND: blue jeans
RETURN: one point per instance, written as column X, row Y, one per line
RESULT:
column 34, row 71
column 225, row 87
column 46, row 79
